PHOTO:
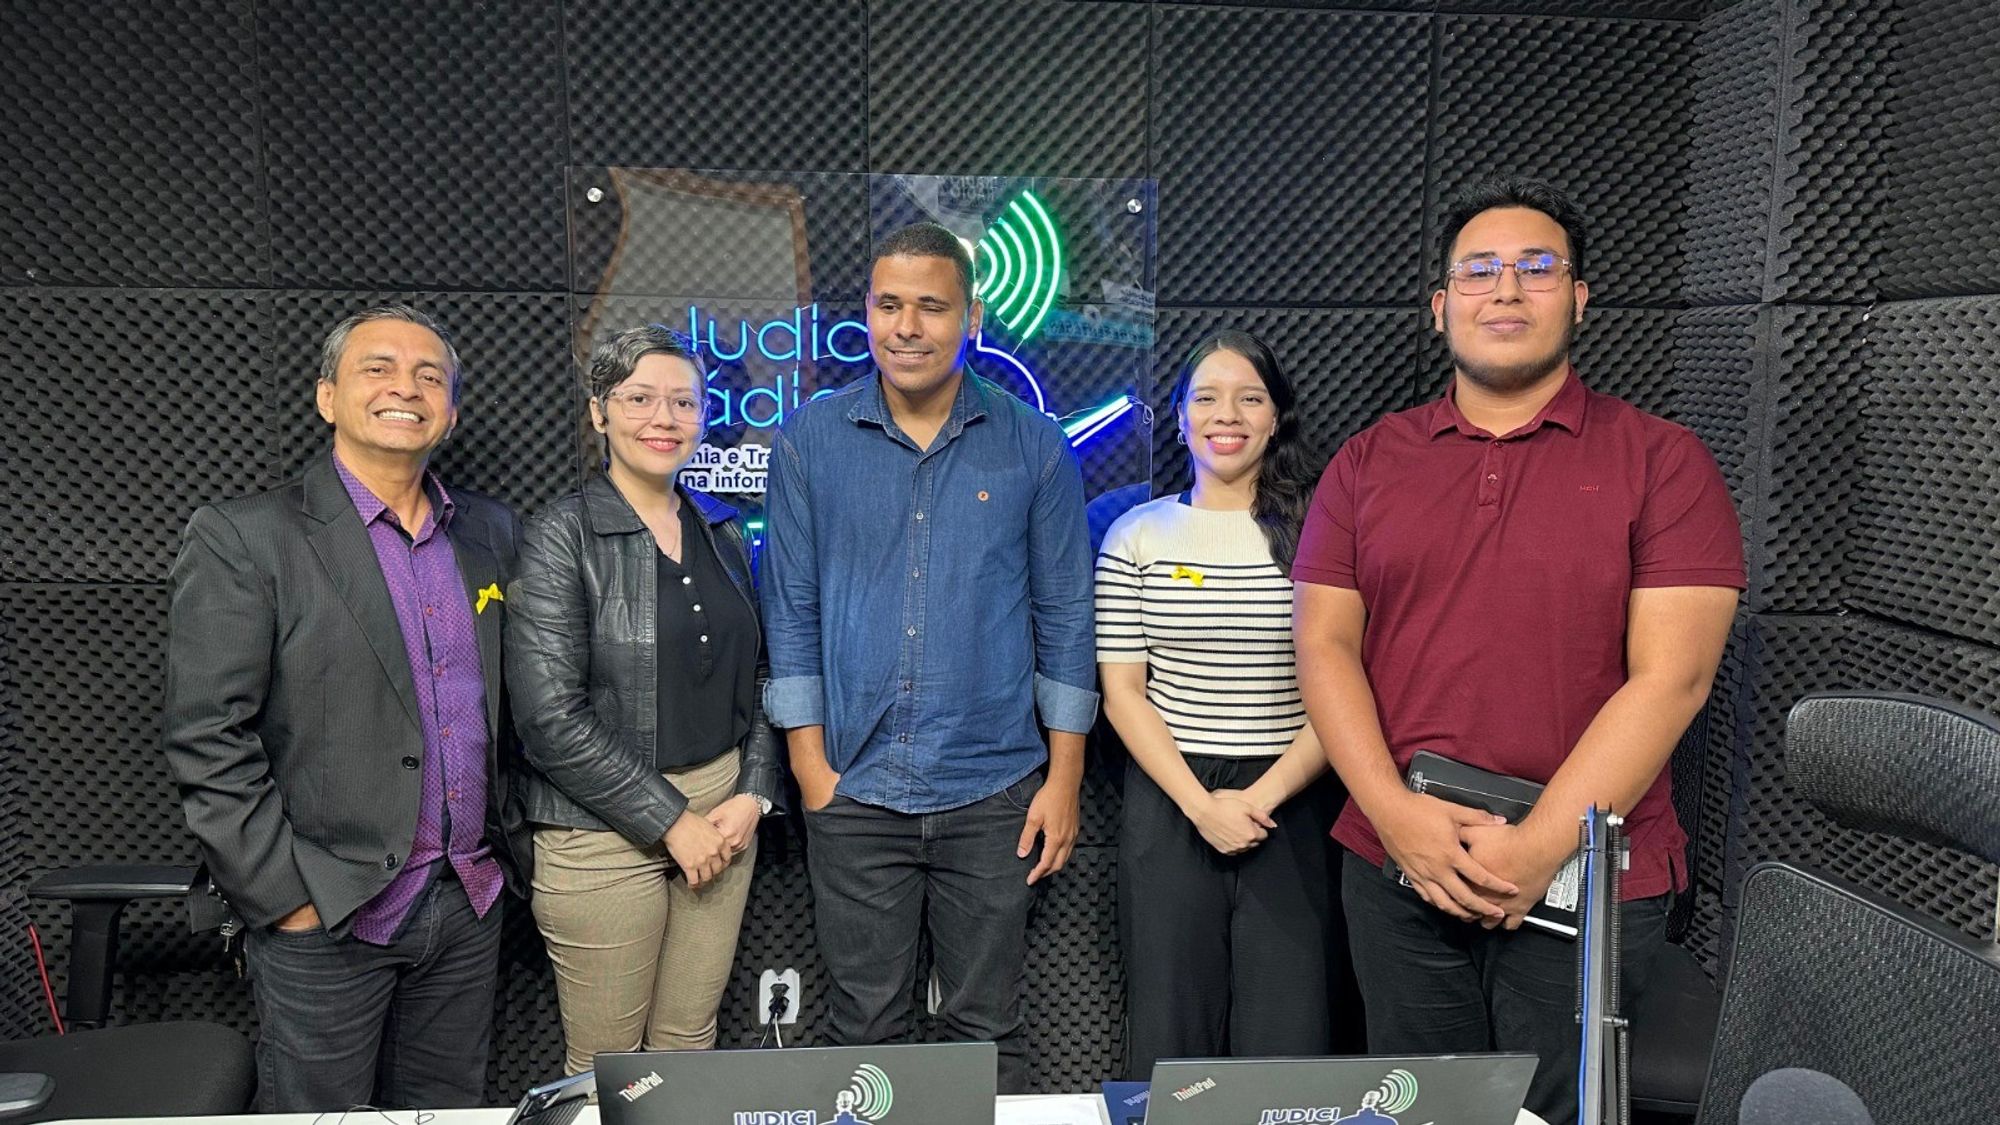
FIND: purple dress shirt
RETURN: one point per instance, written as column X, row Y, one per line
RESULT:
column 442, row 644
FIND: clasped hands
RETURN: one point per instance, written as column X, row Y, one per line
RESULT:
column 1232, row 820
column 704, row 845
column 1467, row 862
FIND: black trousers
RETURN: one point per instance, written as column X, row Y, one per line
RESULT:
column 1227, row 955
column 1434, row 985
column 403, row 1025
column 878, row 876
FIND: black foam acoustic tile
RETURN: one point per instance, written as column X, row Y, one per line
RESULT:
column 1322, row 5
column 414, row 145
column 776, row 84
column 1927, row 513
column 1608, row 119
column 1289, row 147
column 88, row 668
column 1600, row 9
column 128, row 409
column 1350, row 367
column 1076, row 976
column 88, row 664
column 1629, row 354
column 1731, row 153
column 132, row 145
column 1815, row 392
column 518, row 408
column 1718, row 392
column 1037, row 88
column 1834, row 140
column 1716, row 805
column 19, row 1015
column 1782, row 659
column 1941, row 218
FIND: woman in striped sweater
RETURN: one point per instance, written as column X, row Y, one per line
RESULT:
column 1227, row 910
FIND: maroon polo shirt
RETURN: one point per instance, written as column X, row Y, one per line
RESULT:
column 1496, row 573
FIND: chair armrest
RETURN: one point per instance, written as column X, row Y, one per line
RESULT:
column 120, row 882
column 23, row 1094
column 97, row 895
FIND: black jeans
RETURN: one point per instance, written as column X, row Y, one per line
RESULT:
column 406, row 1025
column 877, row 875
column 1227, row 955
column 1434, row 985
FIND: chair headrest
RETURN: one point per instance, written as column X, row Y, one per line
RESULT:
column 1922, row 769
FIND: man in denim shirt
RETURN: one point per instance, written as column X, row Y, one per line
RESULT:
column 926, row 580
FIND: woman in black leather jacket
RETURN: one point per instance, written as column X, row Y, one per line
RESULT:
column 635, row 666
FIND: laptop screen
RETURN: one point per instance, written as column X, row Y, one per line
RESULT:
column 905, row 1084
column 1406, row 1090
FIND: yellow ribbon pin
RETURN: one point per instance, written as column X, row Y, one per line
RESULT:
column 490, row 594
column 1194, row 576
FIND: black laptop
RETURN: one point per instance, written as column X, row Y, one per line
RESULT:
column 1378, row 1090
column 905, row 1084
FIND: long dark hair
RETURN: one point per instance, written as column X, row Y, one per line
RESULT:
column 1290, row 468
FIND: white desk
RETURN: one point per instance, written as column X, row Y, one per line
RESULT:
column 1061, row 1108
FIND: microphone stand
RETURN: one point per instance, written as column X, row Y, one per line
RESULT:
column 1603, row 1079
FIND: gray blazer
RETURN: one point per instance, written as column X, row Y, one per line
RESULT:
column 290, row 721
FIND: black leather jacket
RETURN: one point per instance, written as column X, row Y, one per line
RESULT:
column 580, row 666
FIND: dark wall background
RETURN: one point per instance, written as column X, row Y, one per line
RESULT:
column 1797, row 253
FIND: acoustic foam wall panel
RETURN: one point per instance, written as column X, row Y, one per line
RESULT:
column 1607, row 117
column 1705, row 934
column 1941, row 216
column 132, row 152
column 1782, row 659
column 518, row 408
column 1832, row 148
column 1036, row 87
column 414, row 146
column 1622, row 9
column 1731, row 152
column 1814, row 391
column 779, row 84
column 1629, row 353
column 1350, row 366
column 19, row 1016
column 1927, row 517
column 105, row 390
column 1276, row 188
column 1717, row 393
column 1076, row 977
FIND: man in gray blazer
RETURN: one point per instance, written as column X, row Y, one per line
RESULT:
column 335, row 722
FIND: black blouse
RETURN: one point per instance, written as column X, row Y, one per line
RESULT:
column 707, row 653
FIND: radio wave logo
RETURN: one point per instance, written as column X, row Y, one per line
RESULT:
column 1396, row 1092
column 1022, row 261
column 869, row 1095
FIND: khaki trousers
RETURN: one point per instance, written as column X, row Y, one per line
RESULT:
column 640, row 959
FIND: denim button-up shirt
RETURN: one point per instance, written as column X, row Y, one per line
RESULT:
column 924, row 605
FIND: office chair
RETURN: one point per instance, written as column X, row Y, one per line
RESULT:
column 174, row 1069
column 1834, row 977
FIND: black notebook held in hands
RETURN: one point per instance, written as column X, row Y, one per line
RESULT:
column 1510, row 797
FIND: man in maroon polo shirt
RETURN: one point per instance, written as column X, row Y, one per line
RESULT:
column 1524, row 576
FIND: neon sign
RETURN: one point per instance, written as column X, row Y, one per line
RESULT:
column 798, row 337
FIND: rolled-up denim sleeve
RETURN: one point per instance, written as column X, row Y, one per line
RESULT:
column 789, row 578
column 1060, row 596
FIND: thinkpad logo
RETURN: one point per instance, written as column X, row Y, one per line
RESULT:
column 640, row 1087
